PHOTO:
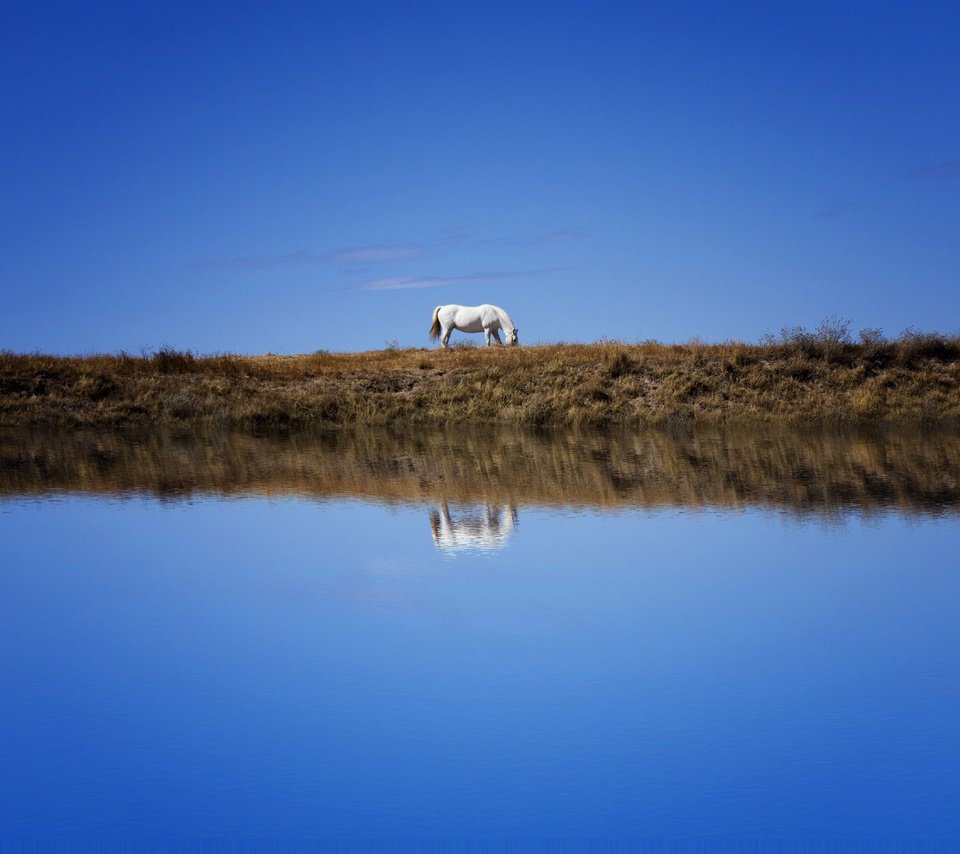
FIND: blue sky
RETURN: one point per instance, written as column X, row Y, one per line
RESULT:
column 290, row 177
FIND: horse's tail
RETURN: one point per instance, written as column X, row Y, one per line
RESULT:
column 435, row 329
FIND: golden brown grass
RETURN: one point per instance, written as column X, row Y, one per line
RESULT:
column 794, row 379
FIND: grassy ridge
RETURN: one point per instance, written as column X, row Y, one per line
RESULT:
column 802, row 377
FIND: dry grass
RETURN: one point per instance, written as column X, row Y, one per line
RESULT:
column 798, row 377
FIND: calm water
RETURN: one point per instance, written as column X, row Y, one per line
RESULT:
column 375, row 636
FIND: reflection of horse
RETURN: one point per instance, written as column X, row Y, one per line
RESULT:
column 488, row 319
column 481, row 528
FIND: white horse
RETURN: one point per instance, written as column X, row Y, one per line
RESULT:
column 488, row 319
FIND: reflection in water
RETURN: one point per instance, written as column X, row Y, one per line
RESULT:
column 819, row 471
column 484, row 527
column 315, row 670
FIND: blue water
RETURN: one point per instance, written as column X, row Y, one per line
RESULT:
column 302, row 669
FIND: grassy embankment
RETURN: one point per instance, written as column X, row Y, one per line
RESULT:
column 799, row 377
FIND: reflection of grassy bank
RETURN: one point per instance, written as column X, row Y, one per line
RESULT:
column 819, row 470
column 916, row 378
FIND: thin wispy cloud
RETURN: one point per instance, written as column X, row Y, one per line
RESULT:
column 394, row 283
column 374, row 253
column 450, row 239
column 546, row 238
column 562, row 236
column 259, row 262
column 945, row 170
column 385, row 253
column 381, row 252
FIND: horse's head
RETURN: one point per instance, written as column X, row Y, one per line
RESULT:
column 512, row 338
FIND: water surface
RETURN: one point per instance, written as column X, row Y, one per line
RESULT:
column 374, row 635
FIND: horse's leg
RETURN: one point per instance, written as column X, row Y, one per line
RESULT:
column 495, row 334
column 486, row 336
column 445, row 336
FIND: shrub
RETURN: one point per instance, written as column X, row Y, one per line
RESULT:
column 872, row 337
column 833, row 331
column 913, row 346
column 828, row 341
column 171, row 361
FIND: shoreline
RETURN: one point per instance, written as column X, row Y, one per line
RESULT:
column 564, row 385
